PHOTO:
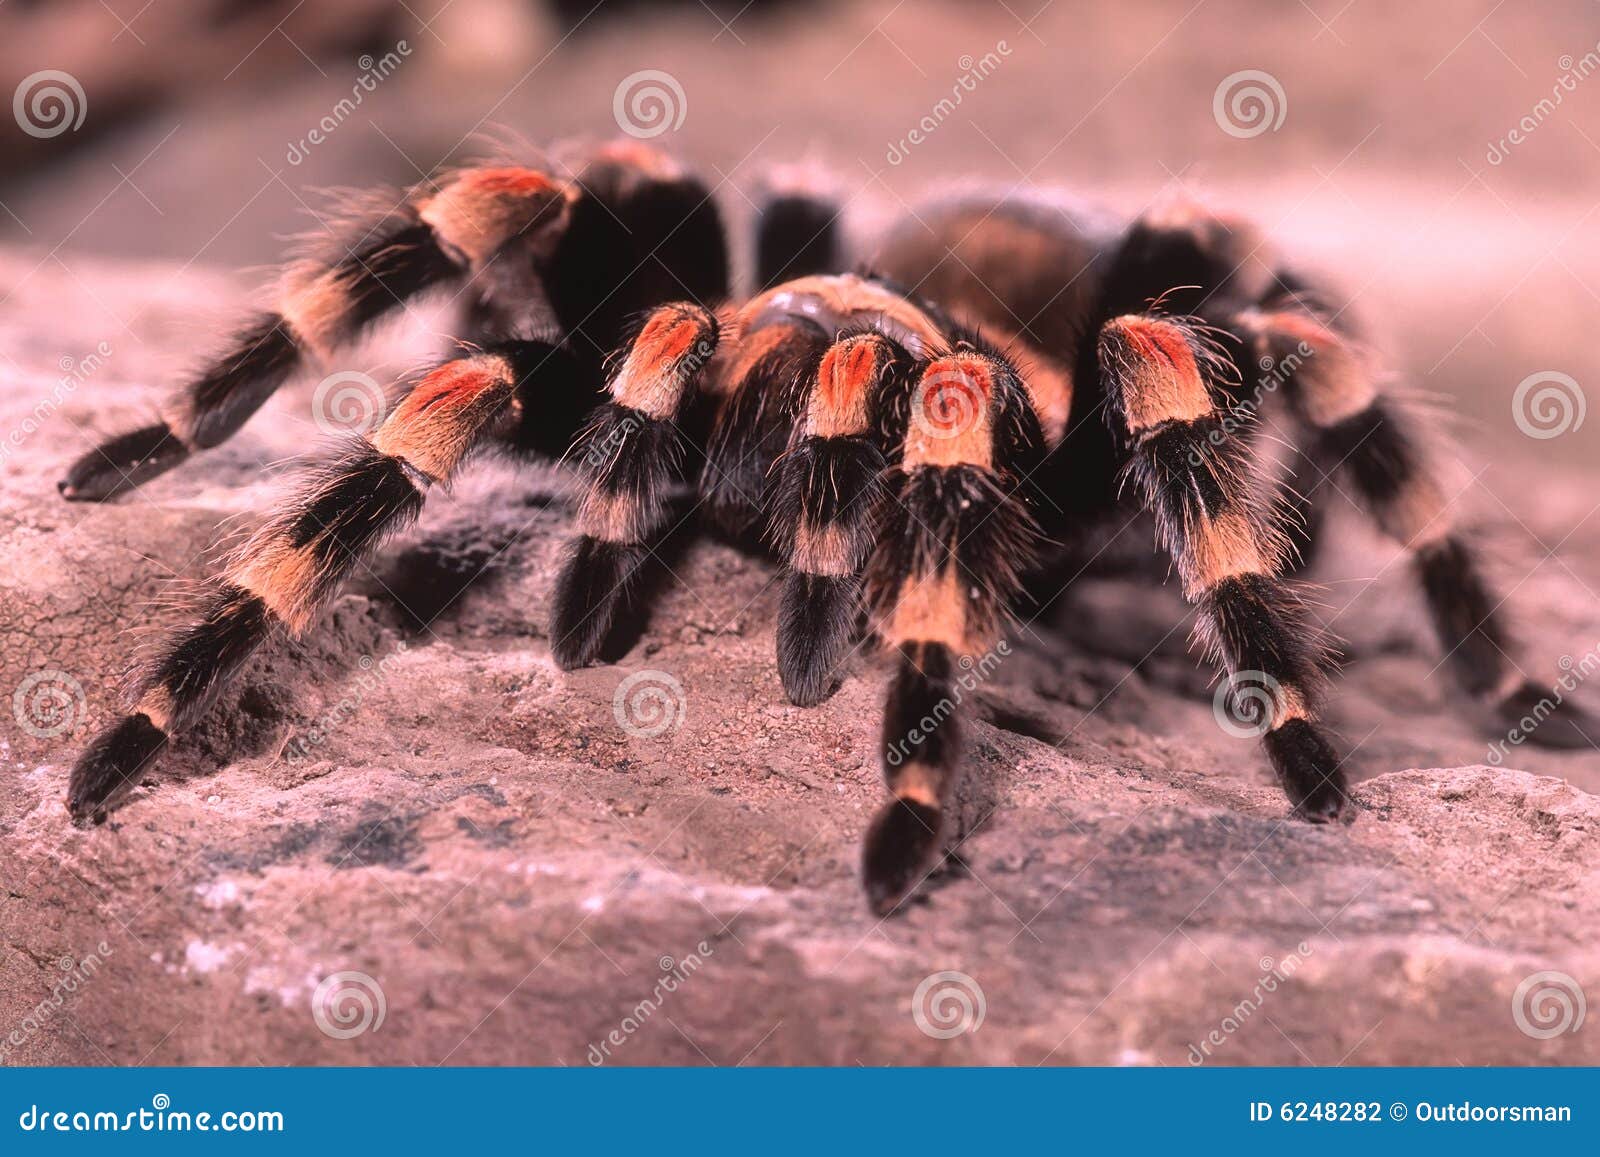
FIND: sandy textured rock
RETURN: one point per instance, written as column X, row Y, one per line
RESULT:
column 441, row 809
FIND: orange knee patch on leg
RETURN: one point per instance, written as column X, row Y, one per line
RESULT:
column 1298, row 326
column 482, row 209
column 156, row 706
column 952, row 419
column 1329, row 380
column 612, row 517
column 676, row 341
column 1290, row 703
column 1333, row 386
column 1155, row 372
column 845, row 380
column 436, row 423
column 315, row 310
column 821, row 550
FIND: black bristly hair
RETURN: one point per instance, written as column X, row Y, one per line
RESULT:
column 833, row 487
column 752, row 430
column 827, row 496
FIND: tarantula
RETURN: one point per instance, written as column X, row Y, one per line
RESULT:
column 908, row 440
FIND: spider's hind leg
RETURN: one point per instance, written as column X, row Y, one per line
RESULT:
column 1372, row 440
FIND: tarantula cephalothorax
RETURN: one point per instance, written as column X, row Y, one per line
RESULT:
column 907, row 440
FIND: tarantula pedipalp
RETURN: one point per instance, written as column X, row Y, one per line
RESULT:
column 907, row 440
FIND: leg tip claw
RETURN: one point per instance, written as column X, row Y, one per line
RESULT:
column 122, row 463
column 593, row 588
column 112, row 767
column 1326, row 803
column 902, row 849
column 816, row 621
column 1310, row 771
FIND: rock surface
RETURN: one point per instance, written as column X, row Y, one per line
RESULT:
column 438, row 808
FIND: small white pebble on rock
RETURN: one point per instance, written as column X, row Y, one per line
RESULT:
column 198, row 956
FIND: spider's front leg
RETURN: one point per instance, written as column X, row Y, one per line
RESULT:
column 827, row 499
column 956, row 542
column 633, row 450
column 294, row 564
column 1194, row 481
